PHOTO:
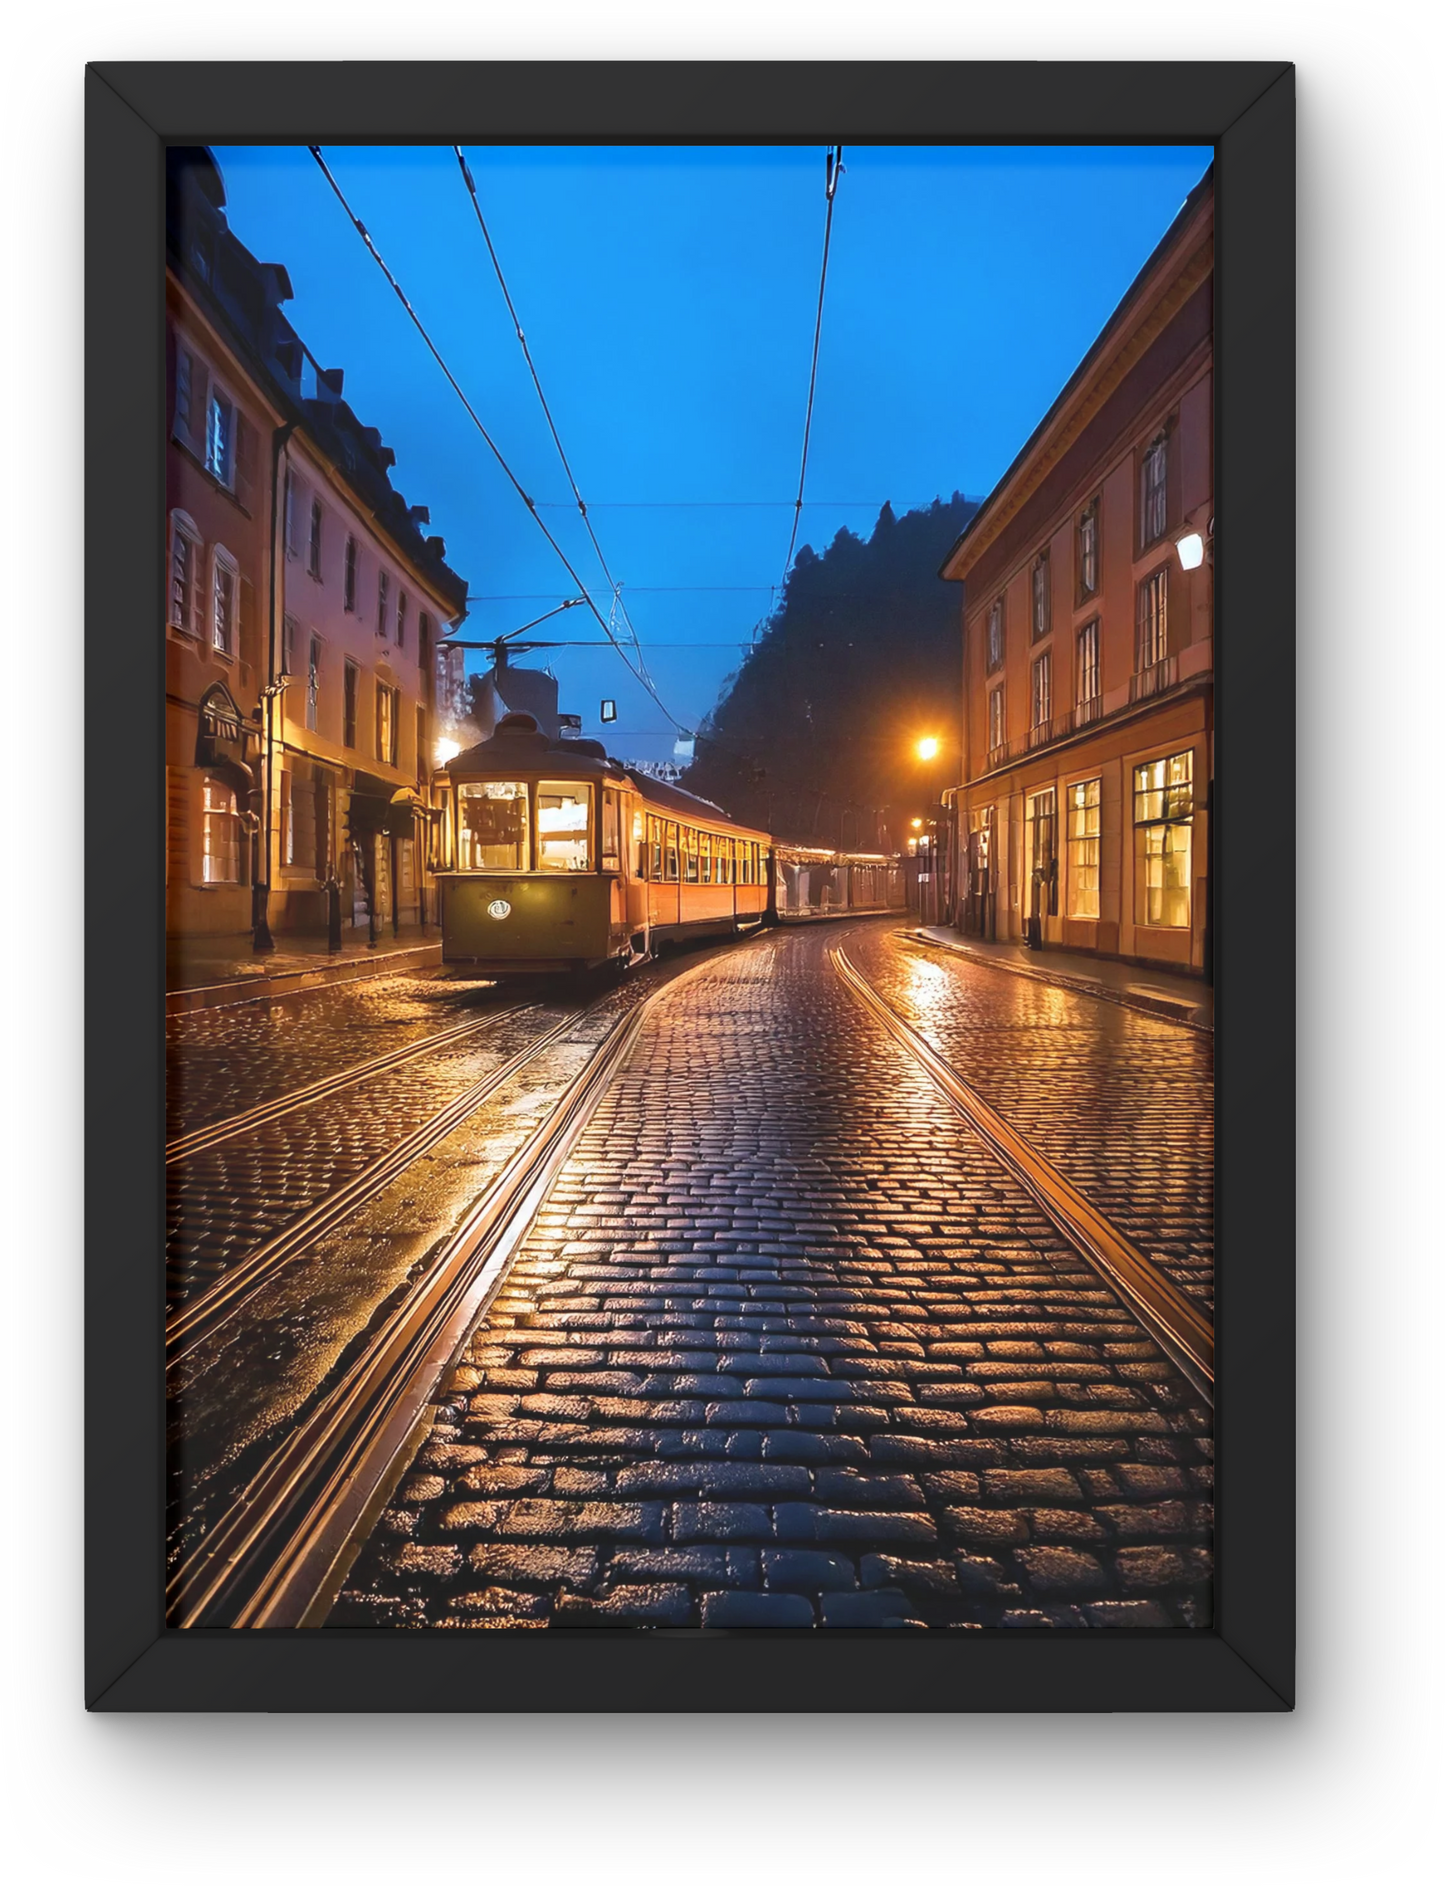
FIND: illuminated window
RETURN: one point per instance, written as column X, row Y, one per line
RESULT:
column 492, row 825
column 1153, row 491
column 1041, row 821
column 386, row 724
column 564, row 816
column 223, row 603
column 184, row 608
column 1083, row 840
column 705, row 858
column 672, row 852
column 1163, row 840
column 1154, row 618
column 995, row 634
column 722, row 860
column 1039, row 595
column 1087, row 686
column 995, row 719
column 220, row 834
column 1041, row 701
column 221, row 439
column 689, row 855
column 611, row 832
column 1089, row 551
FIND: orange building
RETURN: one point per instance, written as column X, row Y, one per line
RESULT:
column 304, row 611
column 1082, row 819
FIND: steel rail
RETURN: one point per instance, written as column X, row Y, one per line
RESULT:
column 1175, row 1321
column 190, row 1322
column 282, row 1551
column 186, row 1145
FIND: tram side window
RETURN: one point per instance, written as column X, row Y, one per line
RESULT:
column 722, row 868
column 492, row 825
column 639, row 845
column 689, row 842
column 611, row 832
column 756, row 862
column 744, row 862
column 671, row 851
column 705, row 858
column 564, row 812
column 654, row 846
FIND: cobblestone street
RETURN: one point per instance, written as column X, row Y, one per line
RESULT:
column 788, row 1346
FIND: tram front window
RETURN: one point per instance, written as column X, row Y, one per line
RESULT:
column 492, row 825
column 564, row 817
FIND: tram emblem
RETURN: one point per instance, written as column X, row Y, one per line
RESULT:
column 499, row 908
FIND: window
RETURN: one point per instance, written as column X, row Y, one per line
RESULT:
column 745, row 862
column 995, row 634
column 672, row 852
column 401, row 619
column 492, row 825
column 1041, row 848
column 386, row 727
column 223, row 603
column 1154, row 491
column 184, row 600
column 348, row 577
column 611, row 832
column 1083, row 839
column 654, row 848
column 1154, row 618
column 1041, row 700
column 722, row 860
column 288, row 827
column 383, row 604
column 423, row 649
column 1089, row 551
column 995, row 719
column 1039, row 595
column 186, row 376
column 564, row 815
column 689, row 855
column 220, row 834
column 639, row 844
column 1163, row 840
column 289, row 633
column 313, row 541
column 350, row 684
column 221, row 439
column 704, row 860
column 421, row 742
column 1087, row 687
column 313, row 682
column 289, row 526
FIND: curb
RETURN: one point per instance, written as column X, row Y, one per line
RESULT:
column 1184, row 1013
column 290, row 982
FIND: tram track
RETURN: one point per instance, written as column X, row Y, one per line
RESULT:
column 206, row 1138
column 1181, row 1329
column 278, row 1554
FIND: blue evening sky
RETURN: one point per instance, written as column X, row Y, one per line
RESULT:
column 668, row 297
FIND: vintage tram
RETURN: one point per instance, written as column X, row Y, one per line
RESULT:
column 553, row 856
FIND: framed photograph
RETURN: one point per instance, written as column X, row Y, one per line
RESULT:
column 697, row 654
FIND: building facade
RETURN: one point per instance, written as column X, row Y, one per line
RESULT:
column 305, row 608
column 1082, row 818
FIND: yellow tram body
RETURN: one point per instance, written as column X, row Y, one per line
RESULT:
column 555, row 857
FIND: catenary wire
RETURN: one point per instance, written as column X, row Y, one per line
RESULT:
column 834, row 172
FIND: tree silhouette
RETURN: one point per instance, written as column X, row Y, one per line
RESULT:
column 814, row 740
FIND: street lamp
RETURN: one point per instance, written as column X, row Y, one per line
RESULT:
column 447, row 750
column 927, row 748
column 1191, row 549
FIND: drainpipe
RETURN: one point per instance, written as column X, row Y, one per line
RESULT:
column 261, row 939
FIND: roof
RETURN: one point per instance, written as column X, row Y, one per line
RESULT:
column 982, row 517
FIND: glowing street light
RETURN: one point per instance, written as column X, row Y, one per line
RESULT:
column 1191, row 550
column 446, row 750
column 917, row 824
column 927, row 748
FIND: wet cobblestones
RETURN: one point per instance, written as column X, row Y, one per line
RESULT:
column 1120, row 1102
column 787, row 1346
column 223, row 1061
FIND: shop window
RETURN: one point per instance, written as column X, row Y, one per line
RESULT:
column 1041, row 850
column 1083, row 843
column 220, row 834
column 492, row 825
column 564, row 817
column 1163, row 840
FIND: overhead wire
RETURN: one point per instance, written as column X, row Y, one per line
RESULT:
column 642, row 678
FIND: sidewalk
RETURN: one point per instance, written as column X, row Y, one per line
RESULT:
column 212, row 972
column 1154, row 991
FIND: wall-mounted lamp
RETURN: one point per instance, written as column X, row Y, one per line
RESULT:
column 1191, row 549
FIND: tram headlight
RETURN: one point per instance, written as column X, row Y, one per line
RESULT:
column 499, row 908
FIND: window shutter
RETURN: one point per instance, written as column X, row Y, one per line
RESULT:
column 245, row 463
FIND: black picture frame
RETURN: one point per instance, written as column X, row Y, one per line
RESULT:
column 1246, row 111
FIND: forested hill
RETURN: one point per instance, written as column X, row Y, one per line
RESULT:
column 814, row 740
